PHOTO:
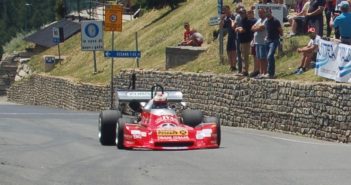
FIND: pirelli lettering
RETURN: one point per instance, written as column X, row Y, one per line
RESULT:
column 172, row 132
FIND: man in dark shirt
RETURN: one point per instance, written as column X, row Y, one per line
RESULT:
column 274, row 31
column 315, row 16
column 245, row 37
column 227, row 22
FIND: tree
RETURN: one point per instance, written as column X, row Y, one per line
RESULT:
column 59, row 9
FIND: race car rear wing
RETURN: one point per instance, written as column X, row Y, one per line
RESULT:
column 145, row 95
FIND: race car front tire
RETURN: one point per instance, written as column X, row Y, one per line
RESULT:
column 218, row 125
column 192, row 117
column 107, row 126
column 119, row 138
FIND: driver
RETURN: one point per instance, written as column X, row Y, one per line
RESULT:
column 160, row 101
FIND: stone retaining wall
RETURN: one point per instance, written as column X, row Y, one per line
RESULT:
column 320, row 110
column 60, row 93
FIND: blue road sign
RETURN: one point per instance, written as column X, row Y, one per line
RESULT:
column 56, row 40
column 122, row 54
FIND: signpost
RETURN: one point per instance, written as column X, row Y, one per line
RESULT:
column 113, row 18
column 221, row 49
column 92, row 38
column 122, row 54
column 58, row 37
column 113, row 22
column 214, row 21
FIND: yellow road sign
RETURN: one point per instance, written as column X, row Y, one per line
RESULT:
column 113, row 18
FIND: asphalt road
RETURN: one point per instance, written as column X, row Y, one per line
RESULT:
column 45, row 146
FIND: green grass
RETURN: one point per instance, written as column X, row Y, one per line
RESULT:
column 158, row 29
column 17, row 44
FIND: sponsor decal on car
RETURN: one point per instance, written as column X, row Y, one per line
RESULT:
column 173, row 137
column 167, row 118
column 172, row 132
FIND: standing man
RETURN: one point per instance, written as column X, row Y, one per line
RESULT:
column 227, row 22
column 315, row 16
column 329, row 11
column 274, row 31
column 237, row 23
column 343, row 23
column 245, row 37
column 260, row 44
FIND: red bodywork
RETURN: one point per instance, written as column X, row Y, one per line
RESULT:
column 162, row 129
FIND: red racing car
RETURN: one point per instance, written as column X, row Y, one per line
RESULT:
column 156, row 124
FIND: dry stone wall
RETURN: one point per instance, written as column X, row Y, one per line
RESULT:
column 320, row 110
column 60, row 93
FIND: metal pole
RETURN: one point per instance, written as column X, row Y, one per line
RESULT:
column 221, row 50
column 112, row 66
column 95, row 68
column 59, row 52
column 137, row 47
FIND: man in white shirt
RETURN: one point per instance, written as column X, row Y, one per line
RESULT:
column 308, row 51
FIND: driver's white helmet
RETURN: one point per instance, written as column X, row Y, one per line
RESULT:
column 160, row 99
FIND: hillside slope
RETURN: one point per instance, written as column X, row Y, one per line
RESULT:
column 157, row 29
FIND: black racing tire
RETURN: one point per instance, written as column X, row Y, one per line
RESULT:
column 107, row 126
column 192, row 117
column 218, row 124
column 119, row 136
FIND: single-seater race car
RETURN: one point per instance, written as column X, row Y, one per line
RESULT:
column 156, row 124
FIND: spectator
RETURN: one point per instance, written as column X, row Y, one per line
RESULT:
column 309, row 51
column 315, row 15
column 186, row 34
column 274, row 31
column 260, row 44
column 343, row 23
column 253, row 20
column 329, row 11
column 299, row 17
column 237, row 23
column 245, row 37
column 299, row 5
column 227, row 23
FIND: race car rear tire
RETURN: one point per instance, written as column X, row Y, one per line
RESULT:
column 107, row 126
column 119, row 138
column 192, row 117
column 218, row 124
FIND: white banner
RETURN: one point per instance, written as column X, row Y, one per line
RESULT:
column 277, row 11
column 344, row 63
column 334, row 61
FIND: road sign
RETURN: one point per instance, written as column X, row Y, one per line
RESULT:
column 113, row 18
column 56, row 35
column 214, row 21
column 92, row 36
column 122, row 54
column 49, row 60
